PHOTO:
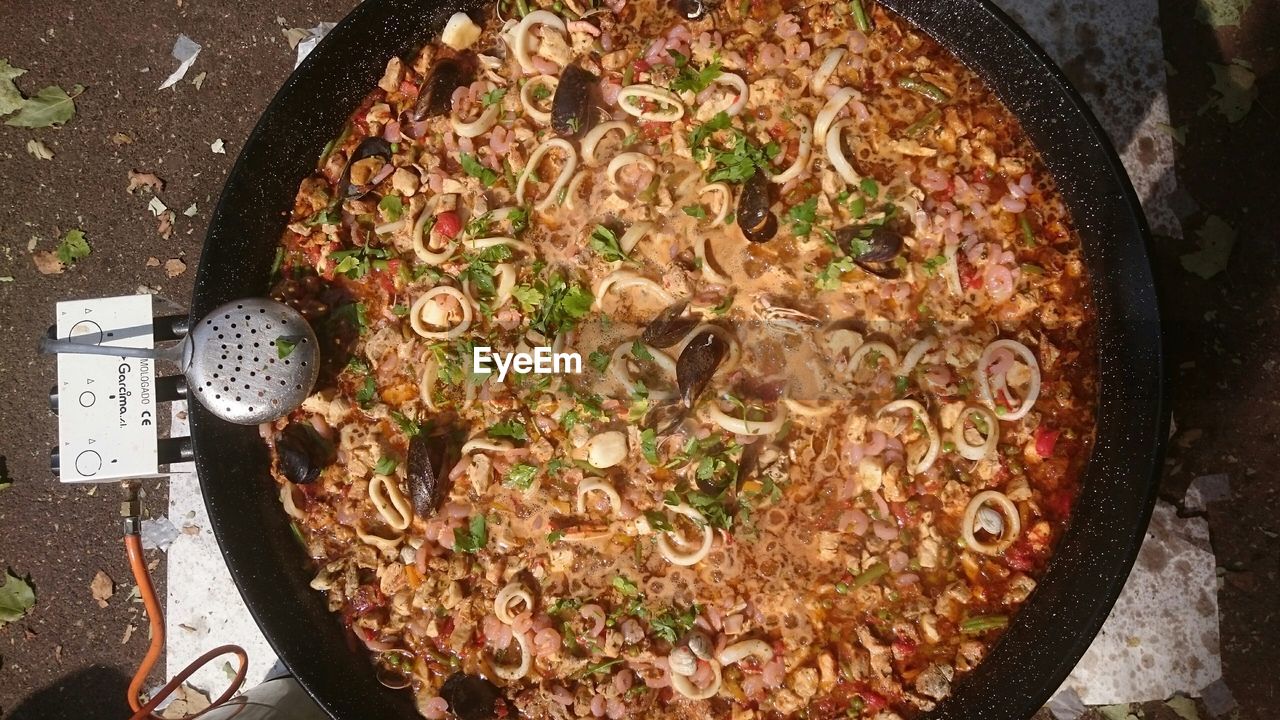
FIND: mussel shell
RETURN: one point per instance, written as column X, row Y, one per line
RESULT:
column 670, row 326
column 435, row 97
column 571, row 107
column 301, row 453
column 425, row 472
column 472, row 697
column 369, row 147
column 754, row 216
column 697, row 364
column 690, row 9
column 883, row 245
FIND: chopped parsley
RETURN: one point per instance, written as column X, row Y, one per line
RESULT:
column 933, row 264
column 472, row 167
column 563, row 304
column 385, row 466
column 673, row 624
column 509, row 428
column 700, row 134
column 285, row 346
column 625, row 586
column 473, row 538
column 742, row 160
column 407, row 426
column 357, row 262
column 803, row 216
column 641, row 351
column 649, row 446
column 695, row 211
column 606, row 244
column 392, row 207
column 367, row 393
column 521, row 476
column 658, row 521
column 528, row 297
column 481, row 267
column 690, row 78
column 493, row 97
column 599, row 360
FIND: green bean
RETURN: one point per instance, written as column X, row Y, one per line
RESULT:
column 918, row 127
column 1028, row 236
column 870, row 575
column 983, row 623
column 860, row 15
column 927, row 89
column 522, row 7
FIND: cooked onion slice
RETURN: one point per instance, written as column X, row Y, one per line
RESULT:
column 990, row 437
column 424, row 253
column 708, row 271
column 726, row 202
column 744, row 649
column 951, row 271
column 566, row 170
column 571, row 191
column 382, row 542
column 743, row 426
column 802, row 155
column 985, row 390
column 620, row 369
column 633, row 236
column 679, row 557
column 519, row 670
column 737, row 83
column 628, row 158
column 625, row 280
column 917, row 351
column 288, row 499
column 805, row 410
column 827, row 114
column 477, row 127
column 530, row 105
column 488, row 242
column 427, row 382
column 419, row 323
column 522, row 33
column 670, row 108
column 818, row 81
column 589, row 485
column 506, row 275
column 508, row 596
column 855, row 360
column 1011, row 526
column 683, row 684
column 835, row 153
column 593, row 137
column 935, row 444
column 391, row 504
column 484, row 445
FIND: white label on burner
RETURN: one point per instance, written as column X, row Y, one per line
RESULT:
column 106, row 405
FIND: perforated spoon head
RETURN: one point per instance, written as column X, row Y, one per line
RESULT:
column 252, row 360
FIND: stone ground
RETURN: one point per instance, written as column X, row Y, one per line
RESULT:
column 70, row 658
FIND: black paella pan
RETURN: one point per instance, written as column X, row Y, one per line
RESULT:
column 1073, row 598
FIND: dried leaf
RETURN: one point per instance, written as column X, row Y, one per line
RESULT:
column 1184, row 707
column 102, row 587
column 186, row 701
column 39, row 150
column 47, row 263
column 191, row 211
column 144, row 181
column 5, row 278
column 128, row 633
column 218, row 147
column 157, row 207
column 50, row 107
column 174, row 267
column 121, row 139
column 10, row 97
column 1216, row 240
column 199, row 80
column 1179, row 133
column 293, row 36
column 1115, row 712
column 165, row 228
column 1219, row 13
column 1234, row 84
column 153, row 262
column 16, row 599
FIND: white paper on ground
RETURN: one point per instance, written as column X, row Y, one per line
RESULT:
column 314, row 36
column 1113, row 54
column 204, row 608
column 185, row 51
column 1161, row 637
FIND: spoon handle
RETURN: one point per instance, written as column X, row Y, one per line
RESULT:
column 60, row 346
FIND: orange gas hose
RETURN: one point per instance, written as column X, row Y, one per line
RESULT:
column 137, row 562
